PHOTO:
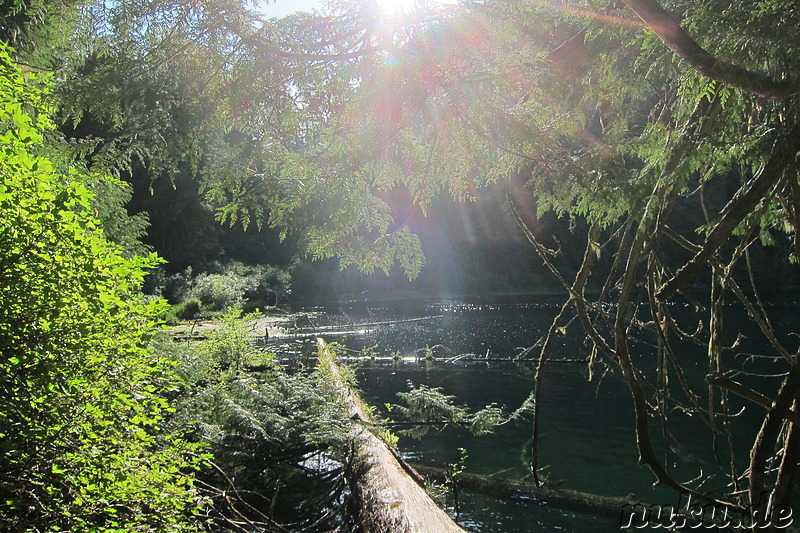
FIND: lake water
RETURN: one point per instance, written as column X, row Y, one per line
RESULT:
column 586, row 439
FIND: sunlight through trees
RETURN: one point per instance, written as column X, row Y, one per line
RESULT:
column 663, row 134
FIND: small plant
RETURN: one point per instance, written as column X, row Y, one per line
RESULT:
column 369, row 352
column 229, row 346
column 453, row 471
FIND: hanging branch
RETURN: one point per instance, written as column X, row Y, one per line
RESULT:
column 537, row 390
column 576, row 291
column 784, row 484
column 680, row 42
column 734, row 472
column 662, row 378
column 794, row 211
column 664, row 324
column 714, row 352
column 630, row 375
column 653, row 216
column 589, row 258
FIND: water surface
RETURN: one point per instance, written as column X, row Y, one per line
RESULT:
column 586, row 441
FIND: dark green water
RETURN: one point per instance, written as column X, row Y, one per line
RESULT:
column 587, row 441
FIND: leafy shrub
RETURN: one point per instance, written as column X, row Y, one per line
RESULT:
column 221, row 291
column 233, row 282
column 189, row 309
column 83, row 424
column 169, row 316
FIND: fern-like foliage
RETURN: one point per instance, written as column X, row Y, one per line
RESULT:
column 426, row 407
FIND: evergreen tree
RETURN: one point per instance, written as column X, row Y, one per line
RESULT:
column 624, row 113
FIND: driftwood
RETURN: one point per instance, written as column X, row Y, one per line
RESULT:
column 391, row 500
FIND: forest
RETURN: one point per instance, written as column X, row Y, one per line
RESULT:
column 630, row 166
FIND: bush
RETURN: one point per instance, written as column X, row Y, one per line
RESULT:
column 234, row 282
column 189, row 309
column 83, row 423
column 221, row 291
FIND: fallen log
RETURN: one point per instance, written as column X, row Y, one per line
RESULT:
column 476, row 358
column 623, row 510
column 367, row 326
column 391, row 499
column 314, row 335
column 340, row 330
column 511, row 489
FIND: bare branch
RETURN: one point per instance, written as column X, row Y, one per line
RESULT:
column 749, row 394
column 769, row 433
column 783, row 155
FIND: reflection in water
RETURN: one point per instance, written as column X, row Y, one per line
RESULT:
column 587, row 439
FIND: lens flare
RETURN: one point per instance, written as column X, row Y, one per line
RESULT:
column 400, row 8
column 397, row 7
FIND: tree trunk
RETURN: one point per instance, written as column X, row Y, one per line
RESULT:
column 390, row 499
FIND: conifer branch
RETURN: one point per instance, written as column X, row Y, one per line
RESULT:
column 702, row 61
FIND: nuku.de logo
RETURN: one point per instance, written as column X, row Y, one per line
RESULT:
column 689, row 514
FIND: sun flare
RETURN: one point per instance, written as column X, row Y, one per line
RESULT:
column 397, row 7
column 393, row 8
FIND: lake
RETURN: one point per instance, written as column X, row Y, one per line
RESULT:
column 586, row 439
